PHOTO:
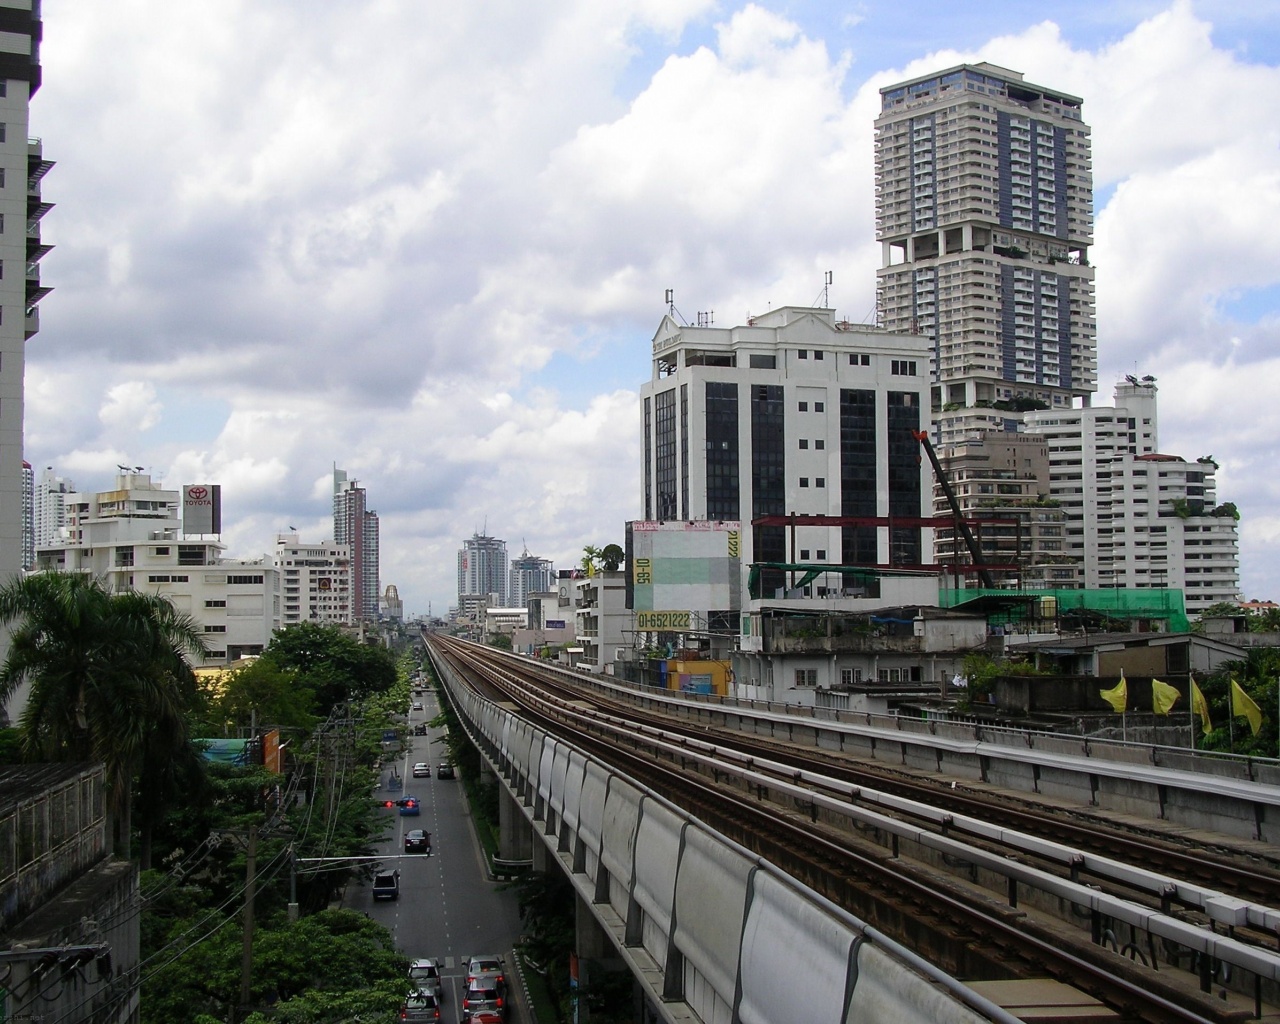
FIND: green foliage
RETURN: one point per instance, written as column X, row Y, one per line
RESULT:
column 612, row 556
column 500, row 641
column 10, row 746
column 261, row 691
column 1257, row 673
column 334, row 966
column 1227, row 508
column 334, row 665
column 109, row 682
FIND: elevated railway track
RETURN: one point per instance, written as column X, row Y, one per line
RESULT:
column 988, row 886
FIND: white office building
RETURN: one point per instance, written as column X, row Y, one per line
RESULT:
column 798, row 419
column 1138, row 518
column 315, row 581
column 135, row 538
column 984, row 210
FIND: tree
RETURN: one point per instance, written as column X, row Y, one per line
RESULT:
column 612, row 556
column 590, row 558
column 262, row 691
column 336, row 666
column 108, row 677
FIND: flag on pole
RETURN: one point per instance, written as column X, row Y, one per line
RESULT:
column 1118, row 695
column 1200, row 706
column 1163, row 697
column 1242, row 704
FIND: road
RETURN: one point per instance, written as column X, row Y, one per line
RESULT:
column 448, row 908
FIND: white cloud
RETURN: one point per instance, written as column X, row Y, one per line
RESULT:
column 418, row 250
column 130, row 406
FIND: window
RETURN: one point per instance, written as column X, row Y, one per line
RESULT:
column 162, row 551
column 817, row 354
column 215, row 629
column 806, row 677
column 804, row 443
column 903, row 367
column 820, row 482
column 804, row 481
column 215, row 604
column 804, row 406
column 819, row 444
column 804, row 554
column 802, row 353
column 763, row 362
column 158, row 579
column 818, row 406
column 124, row 556
column 822, row 554
column 244, row 579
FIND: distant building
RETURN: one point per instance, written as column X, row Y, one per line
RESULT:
column 28, row 516
column 1137, row 518
column 984, row 211
column 355, row 526
column 603, row 621
column 391, row 607
column 529, row 575
column 315, row 581
column 50, row 507
column 140, row 536
column 482, row 571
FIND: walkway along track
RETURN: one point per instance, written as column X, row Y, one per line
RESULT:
column 815, row 825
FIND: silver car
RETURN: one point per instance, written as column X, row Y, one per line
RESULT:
column 424, row 975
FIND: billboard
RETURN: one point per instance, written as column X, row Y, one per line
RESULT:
column 201, row 508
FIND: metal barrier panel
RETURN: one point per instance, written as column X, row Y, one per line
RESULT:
column 573, row 776
column 546, row 768
column 885, row 990
column 710, row 904
column 795, row 958
column 559, row 769
column 595, row 785
column 657, row 852
column 619, row 824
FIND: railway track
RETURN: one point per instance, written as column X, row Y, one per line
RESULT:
column 795, row 806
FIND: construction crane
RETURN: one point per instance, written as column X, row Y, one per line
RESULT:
column 970, row 542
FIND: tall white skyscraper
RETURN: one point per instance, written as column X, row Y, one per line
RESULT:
column 529, row 575
column 50, row 507
column 984, row 209
column 482, row 570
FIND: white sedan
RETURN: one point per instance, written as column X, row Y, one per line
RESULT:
column 422, row 770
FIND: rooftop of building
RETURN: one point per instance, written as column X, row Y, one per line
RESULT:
column 981, row 74
column 22, row 783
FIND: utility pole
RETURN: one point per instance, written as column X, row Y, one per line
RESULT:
column 250, row 882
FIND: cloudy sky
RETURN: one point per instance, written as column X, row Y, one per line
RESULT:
column 429, row 242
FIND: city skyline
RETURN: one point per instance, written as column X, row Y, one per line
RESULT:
column 476, row 276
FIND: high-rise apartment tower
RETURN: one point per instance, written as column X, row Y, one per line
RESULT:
column 482, row 570
column 357, row 527
column 984, row 210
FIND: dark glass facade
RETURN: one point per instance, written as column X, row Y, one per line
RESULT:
column 904, row 475
column 684, row 451
column 664, row 407
column 648, row 461
column 858, row 474
column 768, row 479
column 723, row 494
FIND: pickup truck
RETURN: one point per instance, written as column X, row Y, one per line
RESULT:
column 386, row 885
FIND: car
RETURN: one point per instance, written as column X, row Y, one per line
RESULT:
column 417, row 706
column 424, row 974
column 484, row 995
column 486, row 966
column 420, row 1008
column 486, row 1017
column 444, row 770
column 417, row 841
column 409, row 806
column 422, row 770
column 386, row 885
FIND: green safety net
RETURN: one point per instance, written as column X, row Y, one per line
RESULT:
column 1106, row 604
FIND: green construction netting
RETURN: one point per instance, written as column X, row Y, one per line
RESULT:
column 1110, row 604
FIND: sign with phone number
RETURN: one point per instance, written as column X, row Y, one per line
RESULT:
column 662, row 620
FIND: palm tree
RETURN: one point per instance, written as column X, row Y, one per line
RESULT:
column 107, row 674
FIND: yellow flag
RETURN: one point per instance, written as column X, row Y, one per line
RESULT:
column 1118, row 695
column 1163, row 697
column 1200, row 706
column 1242, row 704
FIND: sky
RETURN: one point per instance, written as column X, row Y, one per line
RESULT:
column 429, row 243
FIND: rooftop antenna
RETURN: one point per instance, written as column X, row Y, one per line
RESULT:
column 826, row 284
column 670, row 300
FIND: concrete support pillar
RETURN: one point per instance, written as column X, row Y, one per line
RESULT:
column 515, row 834
column 539, row 856
column 595, row 953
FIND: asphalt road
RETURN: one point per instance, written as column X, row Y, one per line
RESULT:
column 447, row 908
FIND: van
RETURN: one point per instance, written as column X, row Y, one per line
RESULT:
column 386, row 885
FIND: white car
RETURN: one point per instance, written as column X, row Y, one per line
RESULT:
column 417, row 706
column 422, row 770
